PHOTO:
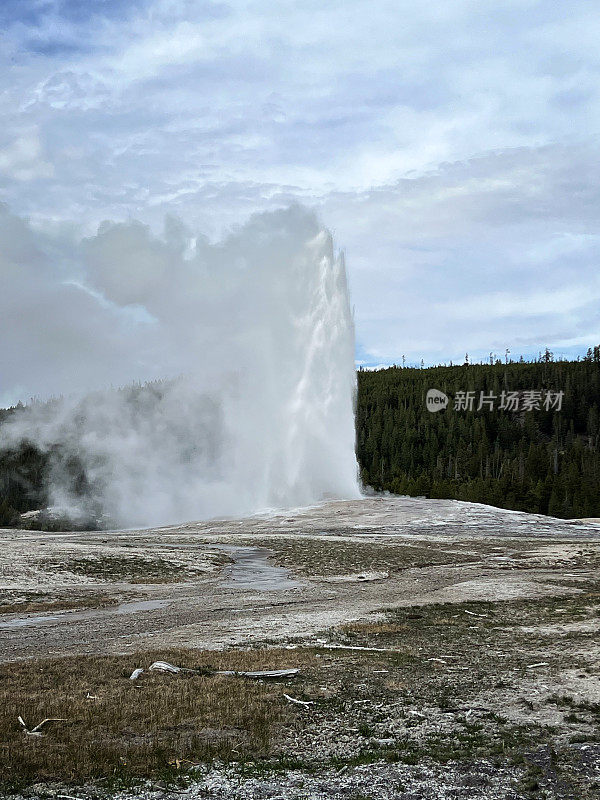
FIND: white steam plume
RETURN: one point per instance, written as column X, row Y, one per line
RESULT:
column 258, row 328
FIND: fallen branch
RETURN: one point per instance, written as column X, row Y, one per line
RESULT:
column 299, row 702
column 136, row 674
column 37, row 731
column 357, row 647
column 161, row 666
column 265, row 673
column 164, row 666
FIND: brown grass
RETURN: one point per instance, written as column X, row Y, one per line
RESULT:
column 374, row 628
column 317, row 557
column 131, row 568
column 27, row 606
column 136, row 728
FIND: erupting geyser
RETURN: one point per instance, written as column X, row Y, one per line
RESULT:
column 258, row 330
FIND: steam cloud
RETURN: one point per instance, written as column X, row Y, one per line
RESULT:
column 254, row 334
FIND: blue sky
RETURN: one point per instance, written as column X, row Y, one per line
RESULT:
column 452, row 147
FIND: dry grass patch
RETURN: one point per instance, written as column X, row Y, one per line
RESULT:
column 31, row 602
column 136, row 728
column 131, row 568
column 374, row 628
column 308, row 556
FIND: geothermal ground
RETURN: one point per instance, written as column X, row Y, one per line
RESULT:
column 443, row 649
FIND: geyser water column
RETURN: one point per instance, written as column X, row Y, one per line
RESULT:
column 259, row 330
column 296, row 441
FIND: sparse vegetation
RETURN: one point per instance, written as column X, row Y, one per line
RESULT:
column 448, row 684
column 131, row 568
column 31, row 602
column 463, row 690
column 330, row 557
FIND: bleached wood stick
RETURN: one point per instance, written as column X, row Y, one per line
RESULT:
column 299, row 702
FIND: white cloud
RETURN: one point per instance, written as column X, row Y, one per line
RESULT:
column 22, row 159
column 450, row 145
column 499, row 251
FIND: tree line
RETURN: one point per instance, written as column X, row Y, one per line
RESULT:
column 528, row 456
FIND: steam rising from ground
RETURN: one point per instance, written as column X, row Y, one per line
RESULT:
column 258, row 328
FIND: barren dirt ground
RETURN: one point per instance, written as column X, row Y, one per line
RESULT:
column 445, row 649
